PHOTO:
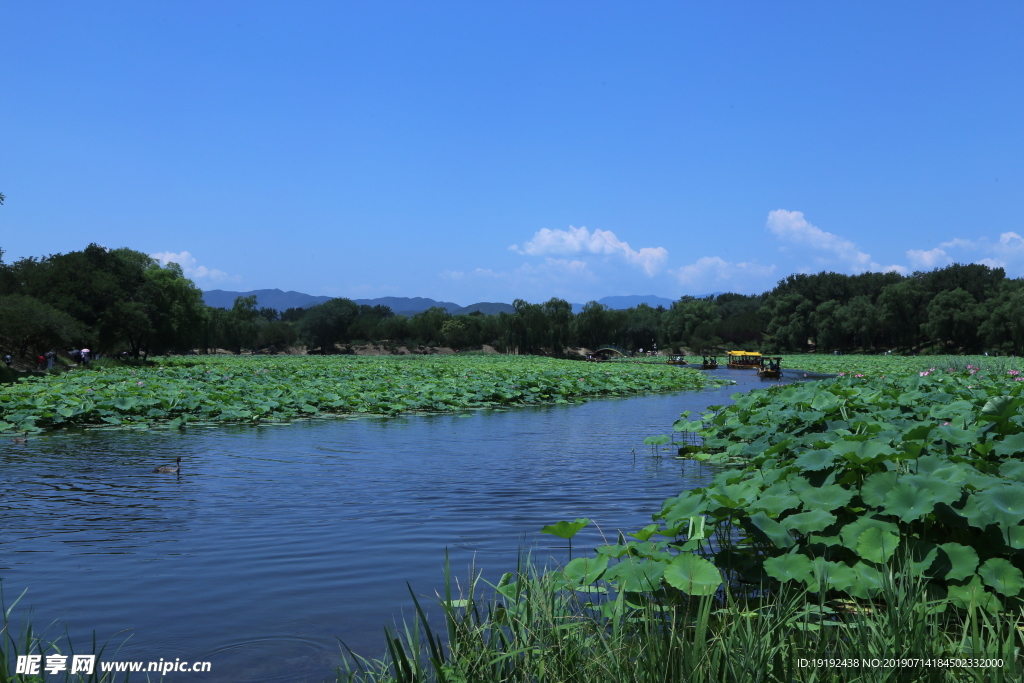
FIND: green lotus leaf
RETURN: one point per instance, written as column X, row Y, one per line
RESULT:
column 860, row 452
column 1010, row 445
column 789, row 567
column 826, row 498
column 635, row 575
column 1002, row 576
column 921, row 554
column 658, row 440
column 775, row 532
column 685, row 507
column 852, row 531
column 838, row 575
column 815, row 460
column 957, row 437
column 584, row 571
column 908, row 502
column 867, row 581
column 564, row 529
column 645, row 533
column 1013, row 469
column 1014, row 536
column 693, row 575
column 825, row 401
column 942, row 490
column 876, row 545
column 775, row 505
column 1004, row 503
column 807, row 522
column 1000, row 407
column 975, row 514
column 955, row 562
column 972, row 593
column 875, row 486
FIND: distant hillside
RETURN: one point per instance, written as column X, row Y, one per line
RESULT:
column 265, row 298
column 409, row 306
column 486, row 308
column 401, row 305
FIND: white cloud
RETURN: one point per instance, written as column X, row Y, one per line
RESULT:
column 713, row 270
column 600, row 242
column 927, row 260
column 192, row 269
column 1006, row 252
column 792, row 227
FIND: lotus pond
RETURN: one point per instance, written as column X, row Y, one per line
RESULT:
column 279, row 537
column 908, row 467
column 266, row 389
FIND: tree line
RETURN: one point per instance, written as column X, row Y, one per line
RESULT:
column 120, row 300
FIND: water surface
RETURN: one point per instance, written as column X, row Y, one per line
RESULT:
column 275, row 542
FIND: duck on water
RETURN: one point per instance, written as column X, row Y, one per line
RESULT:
column 169, row 469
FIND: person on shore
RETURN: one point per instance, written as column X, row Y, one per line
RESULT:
column 85, row 357
column 8, row 360
column 51, row 359
column 40, row 362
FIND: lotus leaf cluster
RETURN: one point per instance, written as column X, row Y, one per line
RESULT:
column 253, row 389
column 833, row 485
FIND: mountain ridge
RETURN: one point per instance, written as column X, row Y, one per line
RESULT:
column 401, row 305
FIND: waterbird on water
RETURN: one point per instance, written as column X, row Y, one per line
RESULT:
column 168, row 469
column 20, row 440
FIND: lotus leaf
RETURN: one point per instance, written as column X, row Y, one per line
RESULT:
column 774, row 531
column 636, row 575
column 908, row 502
column 1013, row 469
column 564, row 529
column 972, row 593
column 826, row 498
column 876, row 487
column 584, row 571
column 693, row 575
column 775, row 505
column 807, row 522
column 876, row 545
column 1010, row 445
column 1004, row 503
column 815, row 460
column 851, row 532
column 955, row 562
column 789, row 567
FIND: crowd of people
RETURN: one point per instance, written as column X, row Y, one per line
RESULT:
column 46, row 361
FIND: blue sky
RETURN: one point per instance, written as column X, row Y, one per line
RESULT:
column 488, row 151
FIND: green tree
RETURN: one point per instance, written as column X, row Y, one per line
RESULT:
column 325, row 325
column 953, row 318
column 27, row 324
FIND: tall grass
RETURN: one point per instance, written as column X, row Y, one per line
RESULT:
column 531, row 629
column 25, row 640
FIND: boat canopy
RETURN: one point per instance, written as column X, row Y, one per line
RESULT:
column 744, row 353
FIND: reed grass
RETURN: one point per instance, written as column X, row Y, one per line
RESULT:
column 530, row 629
column 24, row 639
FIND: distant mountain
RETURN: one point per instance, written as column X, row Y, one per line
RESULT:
column 486, row 308
column 265, row 298
column 409, row 306
column 401, row 305
column 620, row 302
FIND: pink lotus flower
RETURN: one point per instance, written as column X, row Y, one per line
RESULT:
column 138, row 384
column 859, row 375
